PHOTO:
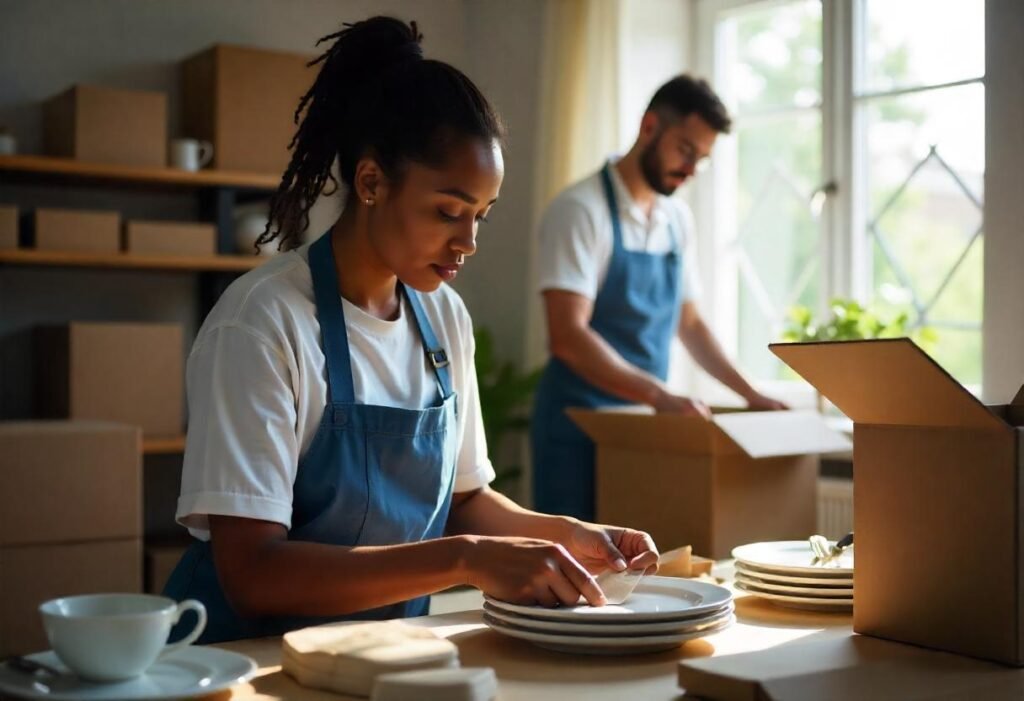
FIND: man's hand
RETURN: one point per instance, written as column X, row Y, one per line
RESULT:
column 759, row 402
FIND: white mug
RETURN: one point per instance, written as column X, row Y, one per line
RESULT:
column 8, row 144
column 190, row 154
column 112, row 637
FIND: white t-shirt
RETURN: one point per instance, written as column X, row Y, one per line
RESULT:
column 257, row 388
column 576, row 236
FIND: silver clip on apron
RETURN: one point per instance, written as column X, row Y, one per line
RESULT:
column 637, row 312
column 373, row 475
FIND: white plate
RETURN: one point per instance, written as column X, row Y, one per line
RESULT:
column 192, row 671
column 792, row 556
column 816, row 592
column 798, row 579
column 594, row 645
column 654, row 599
column 688, row 625
column 800, row 602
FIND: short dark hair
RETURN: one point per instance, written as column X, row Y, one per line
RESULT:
column 685, row 95
column 375, row 93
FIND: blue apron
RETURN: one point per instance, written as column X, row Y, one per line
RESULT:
column 636, row 311
column 373, row 475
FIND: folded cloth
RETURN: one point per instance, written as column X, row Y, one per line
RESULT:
column 348, row 657
column 461, row 684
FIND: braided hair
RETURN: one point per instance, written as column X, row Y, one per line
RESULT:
column 375, row 95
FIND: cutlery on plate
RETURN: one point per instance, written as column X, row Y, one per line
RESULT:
column 825, row 552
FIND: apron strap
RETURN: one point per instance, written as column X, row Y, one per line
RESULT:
column 436, row 355
column 332, row 321
column 613, row 205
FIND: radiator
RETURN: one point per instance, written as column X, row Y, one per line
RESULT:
column 835, row 507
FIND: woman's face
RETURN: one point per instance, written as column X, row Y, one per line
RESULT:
column 424, row 227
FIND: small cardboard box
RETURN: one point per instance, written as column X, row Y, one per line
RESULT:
column 938, row 505
column 105, row 125
column 8, row 227
column 128, row 373
column 34, row 574
column 157, row 238
column 69, row 480
column 848, row 668
column 243, row 101
column 160, row 562
column 77, row 230
column 741, row 477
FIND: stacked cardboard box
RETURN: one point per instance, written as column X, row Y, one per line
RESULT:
column 742, row 477
column 70, row 519
column 8, row 227
column 77, row 230
column 158, row 238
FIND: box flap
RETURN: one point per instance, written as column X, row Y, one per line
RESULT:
column 1019, row 399
column 769, row 434
column 886, row 381
column 640, row 428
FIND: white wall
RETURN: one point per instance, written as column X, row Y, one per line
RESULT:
column 1004, row 200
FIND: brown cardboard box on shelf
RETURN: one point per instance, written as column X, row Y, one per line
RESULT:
column 30, row 575
column 848, row 668
column 129, row 373
column 160, row 562
column 741, row 477
column 8, row 227
column 937, row 498
column 158, row 238
column 107, row 125
column 68, row 481
column 77, row 230
column 243, row 101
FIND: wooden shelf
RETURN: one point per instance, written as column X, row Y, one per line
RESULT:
column 163, row 446
column 129, row 261
column 49, row 166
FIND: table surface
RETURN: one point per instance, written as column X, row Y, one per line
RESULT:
column 528, row 673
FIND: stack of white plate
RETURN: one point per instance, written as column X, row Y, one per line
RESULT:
column 660, row 614
column 787, row 573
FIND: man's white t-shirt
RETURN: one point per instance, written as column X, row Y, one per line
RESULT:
column 257, row 387
column 576, row 236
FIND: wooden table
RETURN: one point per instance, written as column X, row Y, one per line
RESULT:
column 528, row 673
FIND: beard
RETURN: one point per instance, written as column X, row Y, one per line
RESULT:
column 653, row 172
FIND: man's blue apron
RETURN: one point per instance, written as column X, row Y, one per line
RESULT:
column 636, row 312
column 373, row 475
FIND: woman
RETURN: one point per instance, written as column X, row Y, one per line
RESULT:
column 336, row 464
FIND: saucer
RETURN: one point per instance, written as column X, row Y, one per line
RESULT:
column 189, row 672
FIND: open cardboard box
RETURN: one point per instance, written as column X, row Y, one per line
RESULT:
column 937, row 498
column 741, row 477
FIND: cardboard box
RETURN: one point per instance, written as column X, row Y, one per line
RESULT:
column 742, row 477
column 8, row 227
column 69, row 480
column 77, row 230
column 160, row 562
column 850, row 668
column 105, row 125
column 170, row 238
column 937, row 502
column 243, row 101
column 129, row 373
column 34, row 574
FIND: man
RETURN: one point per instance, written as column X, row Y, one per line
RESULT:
column 618, row 273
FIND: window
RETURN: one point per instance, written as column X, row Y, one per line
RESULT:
column 854, row 168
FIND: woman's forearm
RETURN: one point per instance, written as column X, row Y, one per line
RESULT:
column 490, row 513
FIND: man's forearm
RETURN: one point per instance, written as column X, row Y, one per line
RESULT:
column 594, row 359
column 704, row 348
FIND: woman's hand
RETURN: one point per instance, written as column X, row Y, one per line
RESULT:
column 528, row 571
column 599, row 548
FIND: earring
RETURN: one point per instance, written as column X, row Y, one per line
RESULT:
column 368, row 201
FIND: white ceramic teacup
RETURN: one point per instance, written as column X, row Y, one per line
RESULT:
column 190, row 154
column 111, row 637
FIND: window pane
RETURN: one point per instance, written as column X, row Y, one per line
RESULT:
column 924, row 163
column 771, row 56
column 922, row 42
column 779, row 164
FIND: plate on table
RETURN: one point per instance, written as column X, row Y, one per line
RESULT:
column 799, row 579
column 687, row 625
column 186, row 673
column 792, row 557
column 603, row 645
column 654, row 599
column 806, row 603
column 819, row 592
